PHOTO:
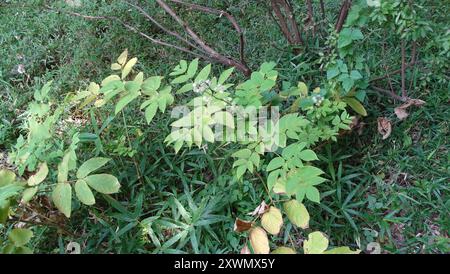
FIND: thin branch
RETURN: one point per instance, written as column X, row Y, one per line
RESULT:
column 343, row 13
column 159, row 25
column 403, row 69
column 211, row 52
column 220, row 13
column 390, row 93
column 287, row 22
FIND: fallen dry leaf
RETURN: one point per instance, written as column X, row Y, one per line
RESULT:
column 259, row 210
column 384, row 127
column 241, row 226
column 401, row 110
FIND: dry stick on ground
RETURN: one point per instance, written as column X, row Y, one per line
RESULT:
column 343, row 13
column 287, row 22
column 133, row 29
column 212, row 54
column 402, row 71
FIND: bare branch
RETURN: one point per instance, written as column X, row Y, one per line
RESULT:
column 343, row 13
column 221, row 13
column 213, row 54
column 287, row 22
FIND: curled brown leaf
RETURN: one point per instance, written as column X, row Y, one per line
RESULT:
column 384, row 127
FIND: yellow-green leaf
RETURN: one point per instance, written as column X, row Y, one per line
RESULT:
column 355, row 105
column 303, row 89
column 103, row 183
column 283, row 250
column 317, row 243
column 297, row 213
column 63, row 169
column 116, row 66
column 342, row 250
column 62, row 197
column 272, row 220
column 28, row 194
column 84, row 193
column 127, row 68
column 91, row 165
column 123, row 57
column 6, row 177
column 39, row 176
column 259, row 241
column 20, row 236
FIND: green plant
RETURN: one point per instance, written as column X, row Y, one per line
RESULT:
column 291, row 173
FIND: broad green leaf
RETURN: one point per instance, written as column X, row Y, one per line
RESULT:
column 9, row 191
column 225, row 75
column 272, row 220
column 308, row 155
column 39, row 176
column 180, row 68
column 187, row 87
column 127, row 68
column 4, row 211
column 317, row 243
column 272, row 179
column 20, row 236
column 313, row 194
column 192, row 69
column 355, row 105
column 84, row 193
column 342, row 250
column 240, row 171
column 283, row 250
column 62, row 197
column 150, row 112
column 63, row 169
column 103, row 183
column 203, row 74
column 259, row 241
column 243, row 153
column 110, row 79
column 6, row 177
column 275, row 163
column 297, row 213
column 91, row 165
column 28, row 194
column 125, row 100
column 151, row 85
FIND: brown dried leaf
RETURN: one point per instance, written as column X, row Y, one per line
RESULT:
column 259, row 210
column 241, row 226
column 384, row 127
column 401, row 110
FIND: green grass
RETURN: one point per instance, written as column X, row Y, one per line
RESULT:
column 393, row 191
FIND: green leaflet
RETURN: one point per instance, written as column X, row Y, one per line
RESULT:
column 62, row 197
column 103, row 183
column 91, row 165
